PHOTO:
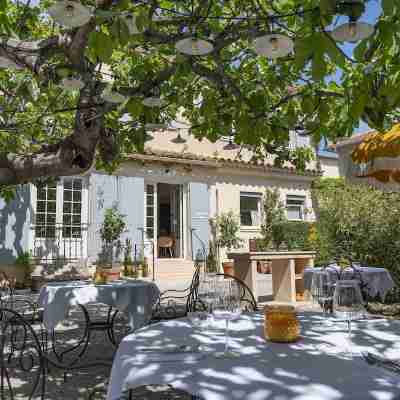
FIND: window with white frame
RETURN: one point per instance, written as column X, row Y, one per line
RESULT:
column 295, row 207
column 46, row 211
column 250, row 209
column 59, row 205
column 72, row 208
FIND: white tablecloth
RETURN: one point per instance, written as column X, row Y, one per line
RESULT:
column 379, row 280
column 305, row 370
column 135, row 298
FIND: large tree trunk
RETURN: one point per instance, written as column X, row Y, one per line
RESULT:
column 73, row 155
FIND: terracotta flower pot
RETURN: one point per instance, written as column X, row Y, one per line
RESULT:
column 228, row 267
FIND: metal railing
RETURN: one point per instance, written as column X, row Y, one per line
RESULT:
column 59, row 243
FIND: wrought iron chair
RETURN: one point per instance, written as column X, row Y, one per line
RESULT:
column 350, row 272
column 247, row 298
column 173, row 304
column 24, row 361
column 83, row 323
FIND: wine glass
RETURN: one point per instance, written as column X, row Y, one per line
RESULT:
column 348, row 303
column 206, row 293
column 322, row 289
column 227, row 308
column 198, row 320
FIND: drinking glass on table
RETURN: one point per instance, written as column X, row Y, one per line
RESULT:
column 322, row 289
column 198, row 320
column 348, row 303
column 227, row 308
column 206, row 293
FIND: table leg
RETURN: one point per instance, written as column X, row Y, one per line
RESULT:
column 283, row 280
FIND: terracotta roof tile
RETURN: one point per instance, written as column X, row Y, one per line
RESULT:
column 218, row 162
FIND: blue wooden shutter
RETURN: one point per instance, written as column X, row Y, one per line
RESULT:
column 124, row 192
column 131, row 204
column 199, row 207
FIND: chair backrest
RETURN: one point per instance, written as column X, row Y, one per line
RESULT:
column 23, row 305
column 165, row 241
column 193, row 289
column 22, row 361
column 247, row 298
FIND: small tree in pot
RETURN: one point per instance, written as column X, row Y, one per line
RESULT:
column 226, row 230
column 111, row 230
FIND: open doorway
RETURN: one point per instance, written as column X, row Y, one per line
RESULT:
column 169, row 223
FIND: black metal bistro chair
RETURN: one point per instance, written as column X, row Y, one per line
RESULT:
column 173, row 304
column 351, row 272
column 24, row 360
column 247, row 299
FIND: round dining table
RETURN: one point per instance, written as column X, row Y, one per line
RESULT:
column 134, row 297
column 377, row 280
column 322, row 365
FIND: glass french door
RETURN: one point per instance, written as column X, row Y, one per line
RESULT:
column 176, row 219
column 59, row 221
column 150, row 219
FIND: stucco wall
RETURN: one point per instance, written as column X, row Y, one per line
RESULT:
column 226, row 193
column 330, row 167
column 15, row 219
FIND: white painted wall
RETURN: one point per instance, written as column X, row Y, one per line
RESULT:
column 330, row 167
column 229, row 199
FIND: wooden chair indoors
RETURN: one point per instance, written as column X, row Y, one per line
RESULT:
column 166, row 246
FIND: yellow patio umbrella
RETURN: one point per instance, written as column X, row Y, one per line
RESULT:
column 379, row 153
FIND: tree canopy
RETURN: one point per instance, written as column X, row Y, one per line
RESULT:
column 126, row 52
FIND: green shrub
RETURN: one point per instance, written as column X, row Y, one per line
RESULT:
column 357, row 222
column 296, row 235
column 274, row 215
column 279, row 233
column 24, row 260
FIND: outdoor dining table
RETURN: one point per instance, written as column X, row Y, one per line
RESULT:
column 377, row 281
column 135, row 298
column 318, row 366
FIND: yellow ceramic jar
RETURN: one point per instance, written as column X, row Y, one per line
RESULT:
column 281, row 323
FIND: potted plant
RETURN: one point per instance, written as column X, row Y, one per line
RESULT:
column 145, row 267
column 139, row 265
column 211, row 261
column 110, row 232
column 128, row 262
column 226, row 229
column 24, row 264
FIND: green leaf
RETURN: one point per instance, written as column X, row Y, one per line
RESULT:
column 142, row 21
column 334, row 53
column 360, row 49
column 102, row 45
column 327, row 7
column 319, row 66
column 357, row 107
column 388, row 6
column 135, row 107
column 303, row 51
column 120, row 31
column 308, row 104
